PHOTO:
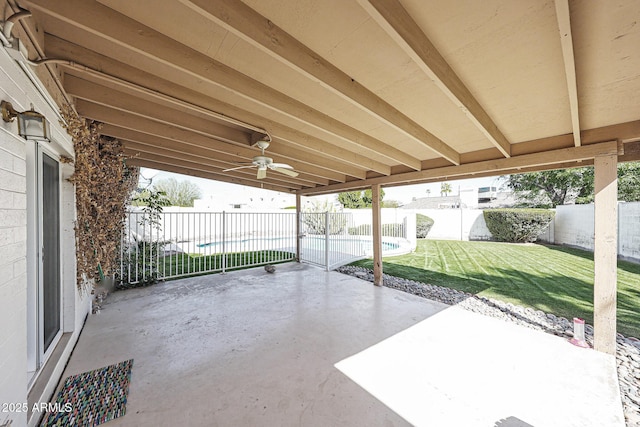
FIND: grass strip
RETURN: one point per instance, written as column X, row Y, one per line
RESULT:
column 553, row 279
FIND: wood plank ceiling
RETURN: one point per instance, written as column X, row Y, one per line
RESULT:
column 350, row 92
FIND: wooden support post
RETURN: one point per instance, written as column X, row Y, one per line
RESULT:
column 377, row 235
column 298, row 228
column 605, row 253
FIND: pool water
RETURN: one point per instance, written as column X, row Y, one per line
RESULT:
column 316, row 242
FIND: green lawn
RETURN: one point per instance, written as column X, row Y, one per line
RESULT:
column 196, row 264
column 553, row 279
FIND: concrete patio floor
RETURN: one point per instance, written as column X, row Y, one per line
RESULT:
column 303, row 347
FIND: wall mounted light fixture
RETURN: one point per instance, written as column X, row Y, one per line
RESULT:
column 31, row 124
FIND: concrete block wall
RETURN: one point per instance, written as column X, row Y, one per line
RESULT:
column 629, row 226
column 574, row 226
column 13, row 272
column 457, row 224
column 18, row 258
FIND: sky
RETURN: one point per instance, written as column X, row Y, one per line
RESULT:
column 403, row 194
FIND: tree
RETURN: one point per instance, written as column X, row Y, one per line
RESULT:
column 445, row 188
column 179, row 193
column 358, row 199
column 558, row 187
column 629, row 182
column 351, row 199
column 552, row 188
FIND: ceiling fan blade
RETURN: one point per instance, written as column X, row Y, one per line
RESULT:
column 236, row 168
column 262, row 173
column 280, row 165
column 285, row 171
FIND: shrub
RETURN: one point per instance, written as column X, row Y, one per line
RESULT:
column 517, row 225
column 315, row 221
column 423, row 225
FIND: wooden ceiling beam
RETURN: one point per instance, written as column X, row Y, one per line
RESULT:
column 198, row 166
column 194, row 150
column 83, row 89
column 396, row 21
column 566, row 41
column 194, row 102
column 96, row 93
column 146, row 150
column 179, row 63
column 565, row 165
column 249, row 25
column 535, row 161
column 148, row 144
column 127, row 120
column 133, row 161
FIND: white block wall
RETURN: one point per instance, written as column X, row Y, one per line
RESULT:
column 17, row 255
column 629, row 226
column 456, row 224
column 574, row 226
column 13, row 272
column 466, row 224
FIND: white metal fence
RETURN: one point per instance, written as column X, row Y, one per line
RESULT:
column 188, row 243
column 333, row 239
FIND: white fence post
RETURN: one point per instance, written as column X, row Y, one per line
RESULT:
column 326, row 240
column 224, row 243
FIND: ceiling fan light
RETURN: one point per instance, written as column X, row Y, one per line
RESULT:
column 262, row 172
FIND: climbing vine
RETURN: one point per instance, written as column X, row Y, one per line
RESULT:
column 103, row 186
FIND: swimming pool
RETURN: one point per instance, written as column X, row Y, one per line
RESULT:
column 317, row 241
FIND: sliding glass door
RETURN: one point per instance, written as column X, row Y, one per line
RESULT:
column 51, row 295
column 44, row 290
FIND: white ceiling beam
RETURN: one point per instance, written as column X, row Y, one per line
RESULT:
column 169, row 94
column 163, row 145
column 249, row 25
column 89, row 91
column 134, row 160
column 213, row 165
column 566, row 40
column 542, row 161
column 147, row 153
column 122, row 36
column 127, row 120
column 394, row 19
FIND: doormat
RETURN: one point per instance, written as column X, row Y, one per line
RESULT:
column 91, row 398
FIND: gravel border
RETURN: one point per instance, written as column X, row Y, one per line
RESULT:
column 628, row 348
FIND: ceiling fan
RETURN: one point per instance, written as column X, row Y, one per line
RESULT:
column 263, row 163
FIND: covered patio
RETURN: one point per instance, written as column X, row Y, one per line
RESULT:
column 342, row 95
column 308, row 347
column 353, row 95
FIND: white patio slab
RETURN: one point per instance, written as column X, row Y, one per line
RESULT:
column 311, row 348
column 459, row 368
